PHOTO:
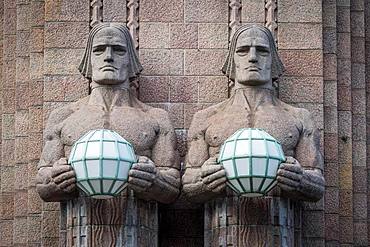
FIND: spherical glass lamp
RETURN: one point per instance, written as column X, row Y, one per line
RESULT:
column 251, row 158
column 102, row 160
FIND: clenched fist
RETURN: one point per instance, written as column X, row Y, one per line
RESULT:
column 213, row 175
column 289, row 175
column 142, row 174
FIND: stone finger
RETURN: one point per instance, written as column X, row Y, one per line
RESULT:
column 219, row 182
column 207, row 170
column 148, row 167
column 142, row 175
column 66, row 183
column 287, row 181
column 285, row 187
column 143, row 159
column 136, row 188
column 60, row 170
column 64, row 176
column 291, row 175
column 209, row 179
column 70, row 188
column 291, row 167
column 139, row 182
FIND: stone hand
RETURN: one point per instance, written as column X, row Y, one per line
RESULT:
column 289, row 175
column 213, row 175
column 142, row 174
column 63, row 175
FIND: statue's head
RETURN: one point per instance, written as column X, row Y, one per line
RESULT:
column 110, row 57
column 253, row 59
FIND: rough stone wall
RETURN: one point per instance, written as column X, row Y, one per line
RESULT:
column 324, row 44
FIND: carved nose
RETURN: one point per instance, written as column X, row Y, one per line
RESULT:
column 252, row 55
column 108, row 54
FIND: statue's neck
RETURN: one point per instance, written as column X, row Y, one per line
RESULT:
column 252, row 97
column 109, row 96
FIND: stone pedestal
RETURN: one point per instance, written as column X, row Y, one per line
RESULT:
column 122, row 221
column 240, row 221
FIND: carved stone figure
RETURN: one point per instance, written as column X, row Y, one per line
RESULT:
column 253, row 64
column 111, row 62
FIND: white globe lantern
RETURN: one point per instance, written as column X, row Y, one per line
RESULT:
column 251, row 158
column 102, row 160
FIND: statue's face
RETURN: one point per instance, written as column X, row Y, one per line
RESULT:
column 109, row 57
column 252, row 58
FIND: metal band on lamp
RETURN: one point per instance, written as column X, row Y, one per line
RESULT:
column 251, row 158
column 102, row 160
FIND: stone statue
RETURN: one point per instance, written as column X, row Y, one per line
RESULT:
column 111, row 62
column 253, row 64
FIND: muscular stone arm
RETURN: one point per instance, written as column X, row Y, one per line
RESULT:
column 53, row 151
column 307, row 153
column 166, row 184
column 198, row 154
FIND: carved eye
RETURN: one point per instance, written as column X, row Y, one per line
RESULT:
column 98, row 50
column 264, row 51
column 119, row 50
column 243, row 51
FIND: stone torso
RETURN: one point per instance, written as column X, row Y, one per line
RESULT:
column 276, row 120
column 132, row 123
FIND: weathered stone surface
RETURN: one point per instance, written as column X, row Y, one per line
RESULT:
column 331, row 227
column 190, row 110
column 313, row 223
column 161, row 62
column 360, row 231
column 65, row 10
column 36, row 66
column 23, row 17
column 344, row 72
column 330, row 40
column 253, row 11
column 346, row 230
column 6, row 233
column 22, row 69
column 204, row 62
column 213, row 89
column 154, row 89
column 7, row 179
column 357, row 24
column 50, row 226
column 8, row 126
column 176, row 113
column 10, row 42
column 21, row 123
column 302, row 62
column 297, row 89
column 183, row 35
column 330, row 119
column 22, row 98
column 358, row 74
column 114, row 11
column 161, row 11
column 330, row 67
column 294, row 36
column 359, row 155
column 21, row 150
column 37, row 14
column 213, row 36
column 184, row 89
column 346, row 202
column 34, row 202
column 20, row 203
column 154, row 35
column 300, row 11
column 344, row 45
column 9, row 73
column 344, row 98
column 7, row 206
column 331, row 200
column 358, row 50
column 331, row 174
column 65, row 88
column 34, row 228
column 37, row 40
column 62, row 61
column 10, row 21
column 206, row 11
column 359, row 129
column 66, row 34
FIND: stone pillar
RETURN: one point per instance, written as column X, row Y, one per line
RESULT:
column 121, row 221
column 242, row 221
